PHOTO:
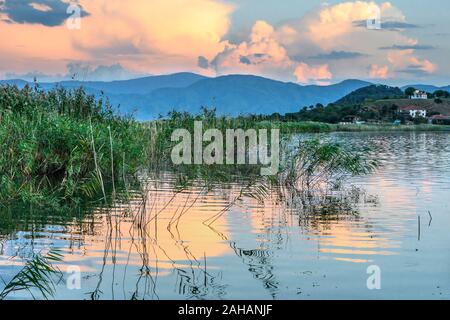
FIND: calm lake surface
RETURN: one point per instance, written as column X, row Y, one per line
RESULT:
column 257, row 250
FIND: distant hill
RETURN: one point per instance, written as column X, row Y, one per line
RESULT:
column 372, row 92
column 139, row 86
column 239, row 94
column 15, row 82
column 370, row 103
column 232, row 95
column 152, row 96
column 427, row 88
column 134, row 87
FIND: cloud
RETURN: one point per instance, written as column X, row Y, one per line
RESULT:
column 406, row 60
column 338, row 34
column 159, row 36
column 305, row 73
column 202, row 62
column 245, row 60
column 339, row 55
column 46, row 12
column 388, row 25
column 40, row 7
column 326, row 43
column 424, row 65
column 144, row 36
column 398, row 25
column 408, row 47
column 333, row 25
column 80, row 71
column 86, row 72
column 176, row 30
column 414, row 70
column 378, row 72
column 417, row 70
column 263, row 55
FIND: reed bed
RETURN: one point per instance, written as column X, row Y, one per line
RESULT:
column 63, row 146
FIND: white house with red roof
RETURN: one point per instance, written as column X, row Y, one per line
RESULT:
column 414, row 112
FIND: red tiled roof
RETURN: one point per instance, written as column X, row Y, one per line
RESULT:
column 440, row 117
column 408, row 108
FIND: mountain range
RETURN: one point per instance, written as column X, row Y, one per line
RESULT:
column 149, row 97
column 427, row 88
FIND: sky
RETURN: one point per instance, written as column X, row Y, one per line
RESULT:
column 302, row 41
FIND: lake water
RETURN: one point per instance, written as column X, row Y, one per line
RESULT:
column 257, row 250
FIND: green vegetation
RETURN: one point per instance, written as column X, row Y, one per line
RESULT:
column 441, row 94
column 292, row 127
column 371, row 93
column 375, row 104
column 438, row 94
column 351, row 106
column 37, row 275
column 315, row 165
column 410, row 91
column 62, row 146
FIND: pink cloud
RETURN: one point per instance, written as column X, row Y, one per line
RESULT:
column 379, row 72
column 264, row 55
column 262, row 52
column 405, row 59
column 320, row 74
column 161, row 36
column 144, row 36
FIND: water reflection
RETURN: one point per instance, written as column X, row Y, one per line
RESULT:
column 223, row 243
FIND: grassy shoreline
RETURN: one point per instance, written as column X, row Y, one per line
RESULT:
column 319, row 127
column 61, row 147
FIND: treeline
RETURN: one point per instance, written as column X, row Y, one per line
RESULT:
column 357, row 106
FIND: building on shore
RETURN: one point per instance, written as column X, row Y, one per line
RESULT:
column 440, row 119
column 419, row 95
column 413, row 111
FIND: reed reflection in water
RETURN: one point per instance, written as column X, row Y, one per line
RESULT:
column 223, row 243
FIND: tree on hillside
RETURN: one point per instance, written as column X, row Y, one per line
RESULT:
column 442, row 94
column 410, row 91
column 371, row 93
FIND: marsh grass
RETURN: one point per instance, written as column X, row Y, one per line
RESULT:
column 63, row 147
column 291, row 127
column 314, row 165
column 66, row 147
column 37, row 276
column 57, row 146
column 309, row 166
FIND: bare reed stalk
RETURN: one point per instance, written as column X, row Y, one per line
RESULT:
column 124, row 175
column 112, row 162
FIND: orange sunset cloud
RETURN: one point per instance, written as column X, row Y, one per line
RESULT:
column 149, row 37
